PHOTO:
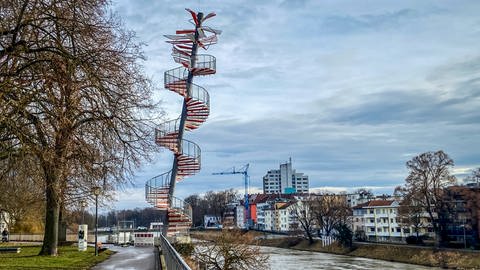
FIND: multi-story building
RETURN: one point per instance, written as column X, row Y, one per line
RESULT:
column 280, row 217
column 354, row 199
column 229, row 215
column 285, row 180
column 240, row 216
column 263, row 210
column 378, row 220
column 463, row 219
column 262, row 207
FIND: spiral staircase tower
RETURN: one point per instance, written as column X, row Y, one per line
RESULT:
column 159, row 191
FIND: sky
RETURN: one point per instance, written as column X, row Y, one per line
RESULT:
column 350, row 90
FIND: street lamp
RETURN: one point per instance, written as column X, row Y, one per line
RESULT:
column 96, row 192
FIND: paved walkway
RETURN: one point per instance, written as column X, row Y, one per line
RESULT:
column 129, row 258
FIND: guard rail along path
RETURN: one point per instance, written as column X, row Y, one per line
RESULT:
column 159, row 191
column 173, row 260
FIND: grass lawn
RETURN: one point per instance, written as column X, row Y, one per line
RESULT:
column 68, row 258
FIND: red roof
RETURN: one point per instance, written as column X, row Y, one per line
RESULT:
column 374, row 203
column 261, row 198
column 286, row 205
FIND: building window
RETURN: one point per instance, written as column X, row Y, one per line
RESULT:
column 370, row 211
column 372, row 229
column 398, row 229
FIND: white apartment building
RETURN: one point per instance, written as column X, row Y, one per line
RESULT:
column 261, row 210
column 281, row 217
column 354, row 199
column 378, row 220
column 285, row 180
column 240, row 216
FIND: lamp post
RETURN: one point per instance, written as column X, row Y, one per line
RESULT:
column 96, row 192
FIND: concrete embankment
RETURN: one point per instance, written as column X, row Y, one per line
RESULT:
column 451, row 259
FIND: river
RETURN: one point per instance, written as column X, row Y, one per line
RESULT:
column 288, row 259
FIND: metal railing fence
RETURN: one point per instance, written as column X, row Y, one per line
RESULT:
column 173, row 260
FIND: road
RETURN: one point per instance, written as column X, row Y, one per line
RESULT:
column 129, row 258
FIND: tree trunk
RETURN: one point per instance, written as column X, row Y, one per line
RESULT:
column 310, row 239
column 62, row 225
column 50, row 238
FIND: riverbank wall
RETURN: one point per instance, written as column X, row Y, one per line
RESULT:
column 449, row 259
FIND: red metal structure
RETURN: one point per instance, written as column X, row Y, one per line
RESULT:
column 159, row 191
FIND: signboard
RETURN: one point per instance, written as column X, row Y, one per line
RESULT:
column 82, row 237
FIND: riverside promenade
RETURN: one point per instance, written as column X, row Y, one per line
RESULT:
column 130, row 258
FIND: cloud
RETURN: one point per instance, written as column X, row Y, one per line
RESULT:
column 349, row 91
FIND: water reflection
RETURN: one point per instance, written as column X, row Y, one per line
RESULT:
column 287, row 259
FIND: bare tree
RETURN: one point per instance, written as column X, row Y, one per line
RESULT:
column 212, row 203
column 231, row 250
column 198, row 211
column 21, row 192
column 365, row 193
column 303, row 211
column 74, row 97
column 410, row 213
column 428, row 177
column 330, row 212
column 474, row 177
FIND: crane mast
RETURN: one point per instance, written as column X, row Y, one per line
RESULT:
column 243, row 170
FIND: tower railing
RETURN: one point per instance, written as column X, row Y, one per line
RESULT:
column 196, row 107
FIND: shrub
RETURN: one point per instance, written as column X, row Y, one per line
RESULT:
column 413, row 240
column 294, row 241
column 185, row 249
column 360, row 236
column 344, row 235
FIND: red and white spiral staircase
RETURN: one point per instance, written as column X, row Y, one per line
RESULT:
column 159, row 191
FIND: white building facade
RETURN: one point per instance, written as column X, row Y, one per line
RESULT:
column 379, row 221
column 285, row 180
column 240, row 216
column 281, row 217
